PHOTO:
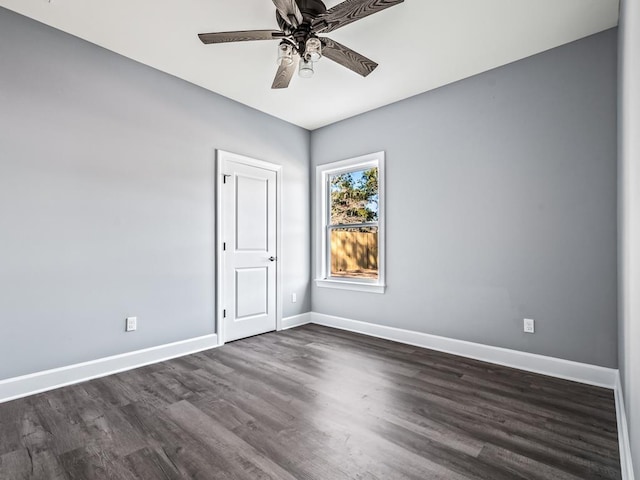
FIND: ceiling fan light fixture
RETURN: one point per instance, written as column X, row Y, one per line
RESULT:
column 313, row 49
column 285, row 54
column 306, row 68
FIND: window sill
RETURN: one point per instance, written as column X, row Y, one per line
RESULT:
column 355, row 286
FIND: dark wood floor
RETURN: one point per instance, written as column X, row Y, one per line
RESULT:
column 314, row 403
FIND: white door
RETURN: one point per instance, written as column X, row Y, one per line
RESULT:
column 248, row 233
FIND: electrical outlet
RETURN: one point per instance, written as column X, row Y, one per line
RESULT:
column 529, row 325
column 294, row 298
column 132, row 324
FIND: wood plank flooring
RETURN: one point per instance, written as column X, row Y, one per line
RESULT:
column 314, row 403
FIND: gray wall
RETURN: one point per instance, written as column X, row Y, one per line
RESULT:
column 629, row 217
column 107, row 200
column 501, row 205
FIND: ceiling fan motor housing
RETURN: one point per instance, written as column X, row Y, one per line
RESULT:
column 311, row 9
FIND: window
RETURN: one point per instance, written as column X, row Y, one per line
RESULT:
column 350, row 217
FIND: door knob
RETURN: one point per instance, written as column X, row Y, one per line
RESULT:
column 272, row 259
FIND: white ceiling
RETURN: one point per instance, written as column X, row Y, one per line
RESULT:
column 419, row 44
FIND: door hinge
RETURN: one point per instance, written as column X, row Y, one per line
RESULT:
column 224, row 178
column 224, row 313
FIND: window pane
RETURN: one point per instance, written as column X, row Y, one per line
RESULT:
column 354, row 252
column 354, row 197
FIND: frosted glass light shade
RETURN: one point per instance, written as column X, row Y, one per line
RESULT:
column 306, row 68
column 285, row 54
column 313, row 49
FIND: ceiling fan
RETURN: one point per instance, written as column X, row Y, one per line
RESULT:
column 300, row 22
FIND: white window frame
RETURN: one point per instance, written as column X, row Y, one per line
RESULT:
column 323, row 254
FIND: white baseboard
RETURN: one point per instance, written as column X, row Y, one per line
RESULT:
column 31, row 384
column 623, row 433
column 554, row 367
column 296, row 320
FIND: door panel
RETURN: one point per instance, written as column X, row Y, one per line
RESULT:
column 249, row 263
column 251, row 292
column 252, row 222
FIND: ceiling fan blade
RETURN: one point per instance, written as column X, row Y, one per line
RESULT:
column 348, row 12
column 285, row 73
column 347, row 57
column 289, row 11
column 226, row 37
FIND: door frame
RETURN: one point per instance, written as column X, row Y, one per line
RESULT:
column 219, row 235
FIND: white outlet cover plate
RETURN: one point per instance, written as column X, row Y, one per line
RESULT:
column 132, row 324
column 529, row 325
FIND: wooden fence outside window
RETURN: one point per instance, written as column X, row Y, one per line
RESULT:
column 354, row 254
